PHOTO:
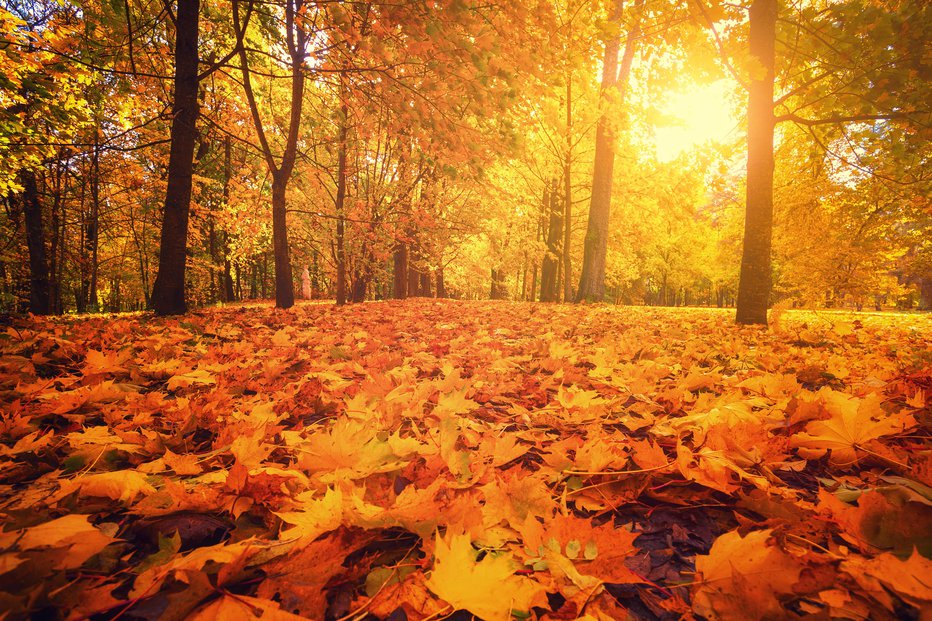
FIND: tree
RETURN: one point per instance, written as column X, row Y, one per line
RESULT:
column 296, row 38
column 168, row 296
column 614, row 83
column 755, row 282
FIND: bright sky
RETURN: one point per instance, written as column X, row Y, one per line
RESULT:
column 697, row 114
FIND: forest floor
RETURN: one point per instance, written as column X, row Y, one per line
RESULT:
column 411, row 459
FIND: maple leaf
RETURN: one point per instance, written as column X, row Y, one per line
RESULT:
column 455, row 402
column 741, row 577
column 909, row 577
column 854, row 423
column 74, row 534
column 122, row 485
column 281, row 338
column 236, row 607
column 112, row 363
column 182, row 464
column 317, row 516
column 197, row 376
column 488, row 588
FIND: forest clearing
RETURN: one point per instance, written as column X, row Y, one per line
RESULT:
column 410, row 459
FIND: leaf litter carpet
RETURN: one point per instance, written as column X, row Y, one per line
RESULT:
column 436, row 459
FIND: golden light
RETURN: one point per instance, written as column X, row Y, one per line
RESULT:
column 693, row 117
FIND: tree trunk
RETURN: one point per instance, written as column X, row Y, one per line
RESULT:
column 592, row 276
column 498, row 291
column 284, row 287
column 549, row 289
column 400, row 271
column 425, row 284
column 92, row 232
column 755, row 281
column 168, row 291
column 39, row 300
column 56, row 240
column 228, row 295
column 441, row 287
column 340, row 206
column 568, row 194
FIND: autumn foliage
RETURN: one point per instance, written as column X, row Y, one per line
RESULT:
column 409, row 459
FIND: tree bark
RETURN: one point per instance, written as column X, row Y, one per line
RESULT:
column 295, row 40
column 341, row 204
column 568, row 194
column 228, row 295
column 549, row 271
column 39, row 298
column 168, row 296
column 592, row 277
column 89, row 262
column 284, row 287
column 441, row 287
column 400, row 271
column 755, row 281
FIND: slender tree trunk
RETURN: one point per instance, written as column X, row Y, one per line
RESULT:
column 227, row 175
column 755, row 281
column 39, row 302
column 568, row 194
column 592, row 277
column 93, row 227
column 341, row 205
column 295, row 42
column 168, row 290
column 441, row 287
column 56, row 240
column 425, row 286
column 414, row 276
column 284, row 287
column 550, row 277
column 400, row 271
column 497, row 291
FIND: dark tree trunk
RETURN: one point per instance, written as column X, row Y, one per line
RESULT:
column 168, row 290
column 400, row 271
column 228, row 295
column 549, row 290
column 295, row 42
column 92, row 234
column 56, row 246
column 414, row 281
column 425, row 284
column 441, row 287
column 360, row 287
column 568, row 194
column 592, row 277
column 39, row 300
column 340, row 206
column 755, row 281
column 498, row 291
column 284, row 287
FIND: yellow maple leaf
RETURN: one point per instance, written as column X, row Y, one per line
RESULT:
column 850, row 427
column 79, row 539
column 742, row 577
column 183, row 380
column 281, row 338
column 455, row 402
column 100, row 362
column 487, row 588
column 908, row 578
column 241, row 608
column 122, row 485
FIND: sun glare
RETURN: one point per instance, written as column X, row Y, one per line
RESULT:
column 693, row 117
